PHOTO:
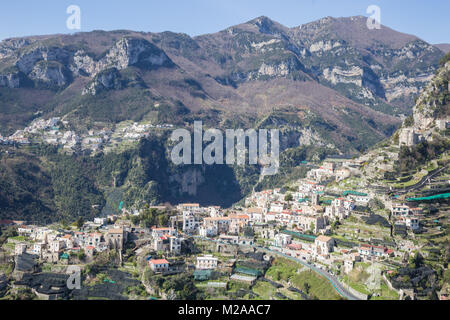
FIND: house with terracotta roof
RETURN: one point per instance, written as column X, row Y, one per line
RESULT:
column 255, row 214
column 159, row 265
column 6, row 223
column 90, row 251
column 237, row 223
column 324, row 245
column 159, row 232
column 167, row 243
column 369, row 251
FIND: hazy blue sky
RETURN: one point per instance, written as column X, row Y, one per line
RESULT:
column 427, row 19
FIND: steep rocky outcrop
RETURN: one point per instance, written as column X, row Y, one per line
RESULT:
column 51, row 73
column 56, row 66
column 433, row 104
column 113, row 79
column 422, row 138
column 126, row 52
column 372, row 66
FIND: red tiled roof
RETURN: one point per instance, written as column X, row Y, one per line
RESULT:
column 159, row 261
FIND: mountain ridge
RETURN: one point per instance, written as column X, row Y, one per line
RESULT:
column 262, row 50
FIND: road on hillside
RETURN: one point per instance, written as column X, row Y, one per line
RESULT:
column 422, row 181
column 404, row 190
column 338, row 286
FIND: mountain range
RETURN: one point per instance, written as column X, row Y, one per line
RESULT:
column 335, row 75
column 330, row 86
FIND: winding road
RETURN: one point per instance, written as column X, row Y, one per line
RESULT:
column 337, row 285
column 422, row 181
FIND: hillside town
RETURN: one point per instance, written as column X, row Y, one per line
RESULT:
column 334, row 232
column 57, row 132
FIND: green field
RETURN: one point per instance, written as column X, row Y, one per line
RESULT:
column 309, row 282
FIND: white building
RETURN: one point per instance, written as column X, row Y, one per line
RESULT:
column 38, row 248
column 208, row 231
column 400, row 210
column 255, row 214
column 276, row 207
column 282, row 240
column 207, row 262
column 159, row 265
column 190, row 223
column 100, row 221
column 56, row 245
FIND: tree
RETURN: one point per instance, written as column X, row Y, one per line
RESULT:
column 8, row 233
column 307, row 287
column 416, row 261
column 288, row 197
column 80, row 222
column 378, row 203
column 81, row 255
column 135, row 220
column 248, row 232
column 313, row 227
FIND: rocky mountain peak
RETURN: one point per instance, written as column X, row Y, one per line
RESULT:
column 130, row 51
column 432, row 106
column 267, row 26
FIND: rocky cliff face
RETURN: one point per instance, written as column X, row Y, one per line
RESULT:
column 56, row 66
column 52, row 73
column 429, row 124
column 113, row 79
column 124, row 53
column 431, row 114
column 433, row 104
column 373, row 66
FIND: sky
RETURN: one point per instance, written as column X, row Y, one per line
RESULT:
column 427, row 19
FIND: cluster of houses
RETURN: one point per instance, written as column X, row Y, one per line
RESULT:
column 322, row 249
column 269, row 213
column 50, row 132
column 53, row 246
column 166, row 240
column 407, row 216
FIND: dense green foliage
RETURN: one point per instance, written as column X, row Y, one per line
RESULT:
column 410, row 158
column 25, row 187
column 444, row 59
column 76, row 192
column 151, row 217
